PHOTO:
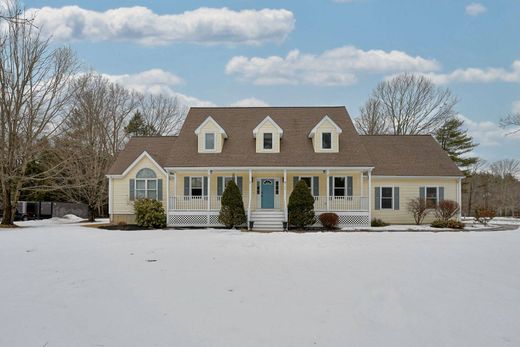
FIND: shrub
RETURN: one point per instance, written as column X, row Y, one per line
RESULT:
column 149, row 213
column 329, row 220
column 446, row 210
column 418, row 208
column 484, row 215
column 301, row 206
column 377, row 222
column 232, row 212
column 450, row 223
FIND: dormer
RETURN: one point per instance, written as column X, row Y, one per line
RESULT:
column 325, row 136
column 268, row 135
column 211, row 136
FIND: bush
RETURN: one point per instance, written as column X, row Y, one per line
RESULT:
column 232, row 212
column 149, row 213
column 377, row 222
column 484, row 215
column 418, row 208
column 450, row 223
column 329, row 220
column 301, row 206
column 446, row 210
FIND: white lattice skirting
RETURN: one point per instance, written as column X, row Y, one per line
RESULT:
column 350, row 219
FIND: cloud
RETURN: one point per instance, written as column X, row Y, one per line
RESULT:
column 140, row 24
column 516, row 106
column 475, row 9
column 338, row 66
column 489, row 134
column 249, row 102
column 473, row 75
column 156, row 81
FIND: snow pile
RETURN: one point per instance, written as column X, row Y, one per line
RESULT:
column 94, row 287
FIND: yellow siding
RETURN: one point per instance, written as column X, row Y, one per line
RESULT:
column 211, row 127
column 326, row 127
column 121, row 203
column 408, row 190
column 267, row 127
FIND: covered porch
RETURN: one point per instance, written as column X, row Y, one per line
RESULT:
column 194, row 195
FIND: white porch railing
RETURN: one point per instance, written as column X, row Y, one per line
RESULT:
column 341, row 203
column 198, row 203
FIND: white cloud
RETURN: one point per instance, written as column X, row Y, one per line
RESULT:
column 338, row 66
column 250, row 102
column 471, row 75
column 488, row 134
column 516, row 106
column 140, row 24
column 156, row 81
column 475, row 8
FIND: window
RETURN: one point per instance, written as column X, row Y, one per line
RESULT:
column 268, row 140
column 308, row 182
column 326, row 140
column 196, row 186
column 277, row 187
column 145, row 184
column 431, row 196
column 209, row 141
column 387, row 197
column 339, row 187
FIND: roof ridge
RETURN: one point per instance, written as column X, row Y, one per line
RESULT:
column 149, row 136
column 227, row 107
column 394, row 135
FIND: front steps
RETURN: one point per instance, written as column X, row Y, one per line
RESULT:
column 268, row 220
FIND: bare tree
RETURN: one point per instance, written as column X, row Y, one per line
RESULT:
column 93, row 135
column 418, row 209
column 34, row 79
column 162, row 114
column 507, row 171
column 513, row 120
column 407, row 104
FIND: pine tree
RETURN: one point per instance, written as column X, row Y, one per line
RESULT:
column 301, row 206
column 232, row 212
column 456, row 142
column 138, row 127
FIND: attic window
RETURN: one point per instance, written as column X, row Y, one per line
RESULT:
column 326, row 140
column 268, row 140
column 209, row 141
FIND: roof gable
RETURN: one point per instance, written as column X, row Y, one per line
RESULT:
column 214, row 122
column 267, row 119
column 321, row 122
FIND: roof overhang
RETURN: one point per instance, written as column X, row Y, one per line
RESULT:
column 135, row 162
column 323, row 120
column 262, row 123
column 208, row 120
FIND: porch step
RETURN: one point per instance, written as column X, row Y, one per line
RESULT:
column 268, row 220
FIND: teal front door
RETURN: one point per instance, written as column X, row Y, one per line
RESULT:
column 267, row 193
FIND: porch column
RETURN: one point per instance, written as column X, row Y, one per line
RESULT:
column 369, row 196
column 167, row 192
column 285, row 194
column 209, row 196
column 174, row 190
column 459, row 198
column 328, row 190
column 249, row 197
column 361, row 183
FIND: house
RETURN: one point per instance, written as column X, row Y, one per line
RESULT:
column 266, row 150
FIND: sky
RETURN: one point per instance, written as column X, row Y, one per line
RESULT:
column 303, row 52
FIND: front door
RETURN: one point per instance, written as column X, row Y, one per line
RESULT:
column 267, row 191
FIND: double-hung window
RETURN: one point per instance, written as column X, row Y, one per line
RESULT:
column 268, row 141
column 146, row 184
column 432, row 196
column 308, row 182
column 209, row 141
column 387, row 198
column 326, row 140
column 196, row 186
column 340, row 187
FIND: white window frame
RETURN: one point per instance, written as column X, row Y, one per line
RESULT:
column 201, row 186
column 214, row 141
column 272, row 141
column 229, row 178
column 391, row 198
column 146, row 190
column 334, row 187
column 436, row 196
column 331, row 140
column 311, row 187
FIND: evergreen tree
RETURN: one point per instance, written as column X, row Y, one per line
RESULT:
column 138, row 127
column 301, row 206
column 232, row 212
column 456, row 142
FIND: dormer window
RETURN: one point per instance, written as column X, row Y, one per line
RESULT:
column 268, row 135
column 211, row 136
column 209, row 141
column 325, row 136
column 268, row 141
column 326, row 140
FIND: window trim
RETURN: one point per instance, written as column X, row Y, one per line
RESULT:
column 436, row 196
column 233, row 178
column 214, row 141
column 272, row 141
column 391, row 198
column 322, row 142
column 146, row 190
column 334, row 187
column 311, row 187
column 201, row 186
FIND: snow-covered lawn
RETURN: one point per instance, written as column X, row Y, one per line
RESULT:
column 67, row 285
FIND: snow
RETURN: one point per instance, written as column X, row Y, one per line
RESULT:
column 68, row 285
